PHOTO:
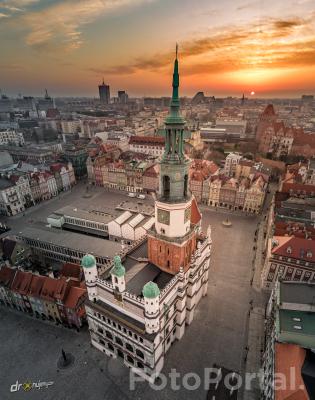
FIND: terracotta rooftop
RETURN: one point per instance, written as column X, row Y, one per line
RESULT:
column 36, row 285
column 74, row 295
column 49, row 288
column 288, row 358
column 7, row 276
column 298, row 188
column 272, row 163
column 294, row 247
column 269, row 110
column 70, row 270
column 148, row 140
column 61, row 288
column 21, row 282
column 195, row 213
column 302, row 139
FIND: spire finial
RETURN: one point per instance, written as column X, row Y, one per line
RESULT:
column 176, row 50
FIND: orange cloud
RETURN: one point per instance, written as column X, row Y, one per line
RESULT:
column 276, row 43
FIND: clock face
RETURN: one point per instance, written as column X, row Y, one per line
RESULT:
column 177, row 176
column 163, row 216
column 187, row 214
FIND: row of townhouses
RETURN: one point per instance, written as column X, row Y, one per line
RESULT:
column 290, row 245
column 21, row 188
column 132, row 176
column 58, row 300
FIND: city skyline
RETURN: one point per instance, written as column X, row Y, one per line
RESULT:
column 256, row 47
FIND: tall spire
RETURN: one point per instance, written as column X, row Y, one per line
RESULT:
column 174, row 116
column 175, row 98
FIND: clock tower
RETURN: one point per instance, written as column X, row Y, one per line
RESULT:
column 173, row 240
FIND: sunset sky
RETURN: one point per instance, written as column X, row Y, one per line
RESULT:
column 226, row 47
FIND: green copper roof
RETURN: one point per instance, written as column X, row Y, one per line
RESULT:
column 88, row 261
column 174, row 116
column 151, row 290
column 118, row 269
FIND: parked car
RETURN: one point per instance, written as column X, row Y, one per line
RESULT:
column 131, row 194
column 141, row 196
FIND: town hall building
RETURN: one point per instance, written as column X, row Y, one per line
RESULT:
column 142, row 303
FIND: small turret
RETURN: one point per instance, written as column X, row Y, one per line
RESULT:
column 88, row 264
column 151, row 294
column 118, row 275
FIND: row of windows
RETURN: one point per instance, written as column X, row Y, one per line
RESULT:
column 119, row 327
column 86, row 223
column 120, row 354
column 118, row 341
column 63, row 251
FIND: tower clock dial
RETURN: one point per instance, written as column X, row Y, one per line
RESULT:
column 177, row 176
column 163, row 216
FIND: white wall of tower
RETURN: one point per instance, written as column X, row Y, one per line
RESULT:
column 177, row 226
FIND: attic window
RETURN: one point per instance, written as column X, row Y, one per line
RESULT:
column 289, row 249
column 309, row 254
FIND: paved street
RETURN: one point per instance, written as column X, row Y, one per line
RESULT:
column 218, row 334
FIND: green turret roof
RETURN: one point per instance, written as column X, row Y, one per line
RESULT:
column 88, row 261
column 150, row 290
column 118, row 269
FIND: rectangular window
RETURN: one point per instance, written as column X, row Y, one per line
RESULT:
column 298, row 327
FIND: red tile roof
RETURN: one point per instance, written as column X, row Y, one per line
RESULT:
column 299, row 248
column 148, row 140
column 298, row 188
column 151, row 172
column 49, row 288
column 6, row 276
column 269, row 110
column 74, row 295
column 71, row 270
column 302, row 139
column 36, row 285
column 21, row 282
column 195, row 213
column 288, row 358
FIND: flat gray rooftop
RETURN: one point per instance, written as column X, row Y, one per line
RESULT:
column 300, row 293
column 136, row 206
column 76, row 241
column 139, row 271
column 102, row 216
column 5, row 184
